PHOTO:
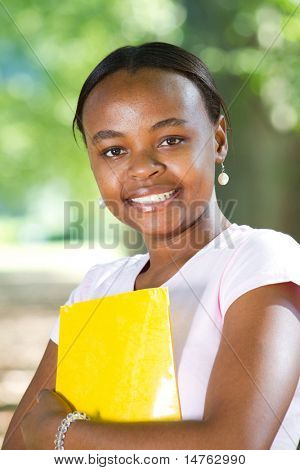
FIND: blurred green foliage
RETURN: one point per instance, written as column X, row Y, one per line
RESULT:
column 47, row 49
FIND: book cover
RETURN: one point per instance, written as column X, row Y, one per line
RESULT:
column 115, row 357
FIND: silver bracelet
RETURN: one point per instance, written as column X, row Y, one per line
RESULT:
column 64, row 426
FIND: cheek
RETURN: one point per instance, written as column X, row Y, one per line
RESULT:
column 197, row 179
column 204, row 161
column 109, row 186
column 107, row 179
column 193, row 174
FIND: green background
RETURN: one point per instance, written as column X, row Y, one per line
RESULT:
column 47, row 49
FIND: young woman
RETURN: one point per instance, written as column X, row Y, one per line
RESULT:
column 150, row 117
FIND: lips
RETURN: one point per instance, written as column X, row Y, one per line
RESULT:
column 153, row 205
column 149, row 190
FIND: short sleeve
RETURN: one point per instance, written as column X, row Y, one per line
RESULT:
column 266, row 256
column 79, row 293
column 54, row 335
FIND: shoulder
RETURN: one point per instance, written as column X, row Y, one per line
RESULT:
column 261, row 256
column 265, row 239
column 265, row 247
column 97, row 274
column 101, row 269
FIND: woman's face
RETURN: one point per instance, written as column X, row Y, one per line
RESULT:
column 149, row 134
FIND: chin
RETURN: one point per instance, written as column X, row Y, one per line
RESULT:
column 160, row 230
column 161, row 223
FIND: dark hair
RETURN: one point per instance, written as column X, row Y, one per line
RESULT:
column 161, row 55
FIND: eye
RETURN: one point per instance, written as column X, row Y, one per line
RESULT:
column 171, row 139
column 112, row 149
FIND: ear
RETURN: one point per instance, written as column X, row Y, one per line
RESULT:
column 220, row 136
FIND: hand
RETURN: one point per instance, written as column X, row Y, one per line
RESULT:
column 40, row 425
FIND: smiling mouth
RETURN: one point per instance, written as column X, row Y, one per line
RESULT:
column 153, row 201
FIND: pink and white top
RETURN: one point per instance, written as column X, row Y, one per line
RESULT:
column 239, row 259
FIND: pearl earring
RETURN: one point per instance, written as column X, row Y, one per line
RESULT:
column 223, row 178
column 102, row 204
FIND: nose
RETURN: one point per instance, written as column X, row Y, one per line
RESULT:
column 143, row 165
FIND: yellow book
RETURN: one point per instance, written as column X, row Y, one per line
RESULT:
column 115, row 357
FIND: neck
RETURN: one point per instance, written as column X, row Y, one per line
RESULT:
column 189, row 240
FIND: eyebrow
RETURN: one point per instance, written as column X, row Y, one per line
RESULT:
column 108, row 133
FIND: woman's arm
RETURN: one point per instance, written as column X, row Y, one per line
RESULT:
column 44, row 377
column 148, row 435
column 252, row 383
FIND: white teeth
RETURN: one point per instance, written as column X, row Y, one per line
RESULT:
column 154, row 197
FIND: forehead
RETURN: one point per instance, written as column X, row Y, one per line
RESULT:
column 148, row 94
